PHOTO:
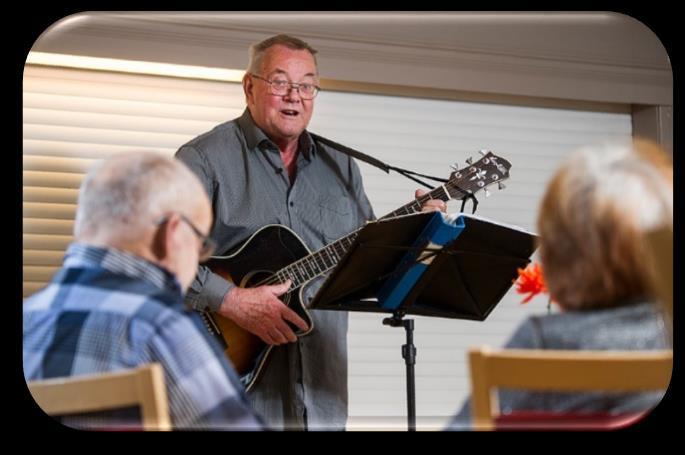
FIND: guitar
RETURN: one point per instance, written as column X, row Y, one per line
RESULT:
column 274, row 254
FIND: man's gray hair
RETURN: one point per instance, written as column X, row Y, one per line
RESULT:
column 257, row 50
column 123, row 195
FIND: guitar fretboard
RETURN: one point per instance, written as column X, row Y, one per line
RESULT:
column 325, row 259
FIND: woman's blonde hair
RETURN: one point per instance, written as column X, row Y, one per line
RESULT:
column 592, row 220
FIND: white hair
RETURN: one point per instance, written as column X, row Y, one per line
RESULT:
column 124, row 195
column 622, row 178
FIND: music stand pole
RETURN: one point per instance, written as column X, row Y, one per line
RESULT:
column 409, row 356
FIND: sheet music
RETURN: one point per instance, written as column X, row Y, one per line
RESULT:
column 466, row 283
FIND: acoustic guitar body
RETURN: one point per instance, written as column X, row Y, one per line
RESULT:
column 259, row 257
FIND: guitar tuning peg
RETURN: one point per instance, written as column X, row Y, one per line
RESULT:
column 469, row 161
column 500, row 185
column 487, row 193
column 483, row 152
column 454, row 167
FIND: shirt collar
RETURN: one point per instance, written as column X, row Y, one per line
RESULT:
column 255, row 138
column 120, row 262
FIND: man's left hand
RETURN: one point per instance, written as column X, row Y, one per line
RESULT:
column 431, row 205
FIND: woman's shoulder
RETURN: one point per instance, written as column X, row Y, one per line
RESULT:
column 636, row 326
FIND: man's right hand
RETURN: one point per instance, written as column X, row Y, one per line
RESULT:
column 260, row 311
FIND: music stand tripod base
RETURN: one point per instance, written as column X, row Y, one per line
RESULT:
column 409, row 356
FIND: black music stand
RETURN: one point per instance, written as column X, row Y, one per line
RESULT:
column 465, row 279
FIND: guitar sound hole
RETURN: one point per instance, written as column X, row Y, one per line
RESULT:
column 253, row 279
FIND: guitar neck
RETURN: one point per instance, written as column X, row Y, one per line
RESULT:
column 325, row 259
column 414, row 206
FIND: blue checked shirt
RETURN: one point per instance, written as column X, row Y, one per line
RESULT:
column 108, row 310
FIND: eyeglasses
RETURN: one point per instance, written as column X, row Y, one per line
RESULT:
column 208, row 244
column 281, row 87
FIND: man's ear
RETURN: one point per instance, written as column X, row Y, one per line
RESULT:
column 248, row 86
column 162, row 242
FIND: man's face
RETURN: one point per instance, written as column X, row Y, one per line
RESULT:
column 188, row 252
column 284, row 117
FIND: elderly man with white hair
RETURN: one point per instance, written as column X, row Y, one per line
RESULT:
column 117, row 303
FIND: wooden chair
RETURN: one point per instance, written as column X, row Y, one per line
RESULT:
column 143, row 387
column 659, row 261
column 547, row 370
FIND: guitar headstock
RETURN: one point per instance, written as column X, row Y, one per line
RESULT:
column 488, row 170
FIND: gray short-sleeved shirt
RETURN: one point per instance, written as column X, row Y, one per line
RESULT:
column 305, row 383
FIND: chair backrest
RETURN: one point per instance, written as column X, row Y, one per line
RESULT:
column 547, row 370
column 659, row 261
column 143, row 387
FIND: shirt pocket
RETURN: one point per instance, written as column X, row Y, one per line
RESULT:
column 337, row 218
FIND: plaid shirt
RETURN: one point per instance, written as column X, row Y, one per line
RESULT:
column 108, row 310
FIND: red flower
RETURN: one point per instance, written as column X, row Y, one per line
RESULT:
column 530, row 281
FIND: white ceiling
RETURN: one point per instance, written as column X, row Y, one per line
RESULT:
column 529, row 54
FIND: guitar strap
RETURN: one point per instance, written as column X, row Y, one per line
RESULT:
column 352, row 152
column 387, row 168
column 374, row 161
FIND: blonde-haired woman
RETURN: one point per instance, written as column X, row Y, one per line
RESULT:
column 592, row 224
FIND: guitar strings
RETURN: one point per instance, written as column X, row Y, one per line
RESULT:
column 294, row 270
